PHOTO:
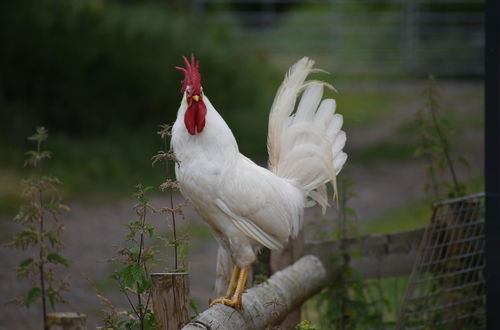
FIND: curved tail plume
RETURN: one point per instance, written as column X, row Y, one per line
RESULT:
column 306, row 145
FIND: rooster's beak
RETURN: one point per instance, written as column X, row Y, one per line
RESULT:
column 196, row 98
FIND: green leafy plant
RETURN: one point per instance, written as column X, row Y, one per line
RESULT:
column 39, row 214
column 305, row 325
column 136, row 259
column 349, row 302
column 435, row 147
column 172, row 211
column 132, row 275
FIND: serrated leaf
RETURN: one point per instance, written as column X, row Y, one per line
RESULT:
column 25, row 263
column 52, row 300
column 464, row 161
column 132, row 276
column 58, row 259
column 137, row 273
column 150, row 230
column 134, row 250
column 32, row 296
column 133, row 224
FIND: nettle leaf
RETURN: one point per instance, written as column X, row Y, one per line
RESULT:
column 25, row 263
column 24, row 268
column 133, row 324
column 150, row 230
column 134, row 250
column 133, row 224
column 464, row 162
column 149, row 321
column 131, row 275
column 52, row 299
column 58, row 259
column 32, row 296
column 131, row 234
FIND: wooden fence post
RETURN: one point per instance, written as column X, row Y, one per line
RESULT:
column 66, row 321
column 170, row 294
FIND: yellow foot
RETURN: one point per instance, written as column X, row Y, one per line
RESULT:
column 228, row 302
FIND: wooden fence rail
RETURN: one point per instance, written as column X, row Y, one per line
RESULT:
column 269, row 303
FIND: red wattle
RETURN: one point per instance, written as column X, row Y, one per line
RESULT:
column 194, row 118
column 200, row 116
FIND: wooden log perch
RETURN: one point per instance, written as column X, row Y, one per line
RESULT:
column 268, row 303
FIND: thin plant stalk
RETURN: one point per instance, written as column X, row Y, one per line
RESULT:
column 444, row 142
column 167, row 173
column 141, row 311
column 38, row 191
column 41, row 254
column 428, row 156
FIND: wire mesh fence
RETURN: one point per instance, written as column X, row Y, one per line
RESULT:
column 446, row 288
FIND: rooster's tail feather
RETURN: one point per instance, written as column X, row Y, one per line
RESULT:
column 306, row 145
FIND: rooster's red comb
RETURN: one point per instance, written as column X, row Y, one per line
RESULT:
column 192, row 76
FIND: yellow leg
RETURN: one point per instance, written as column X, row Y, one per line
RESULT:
column 240, row 288
column 234, row 282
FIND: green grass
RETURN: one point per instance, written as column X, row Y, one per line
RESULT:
column 365, row 107
column 10, row 191
column 411, row 216
column 92, row 169
column 387, row 292
column 399, row 218
column 386, row 150
column 200, row 232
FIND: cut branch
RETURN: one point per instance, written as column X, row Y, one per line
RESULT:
column 268, row 303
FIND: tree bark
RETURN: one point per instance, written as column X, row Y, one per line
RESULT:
column 66, row 321
column 170, row 297
column 268, row 303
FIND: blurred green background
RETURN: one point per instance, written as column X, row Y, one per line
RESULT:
column 100, row 76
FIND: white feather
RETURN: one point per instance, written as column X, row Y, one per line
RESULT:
column 304, row 150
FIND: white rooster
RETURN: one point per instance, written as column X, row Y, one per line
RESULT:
column 245, row 205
